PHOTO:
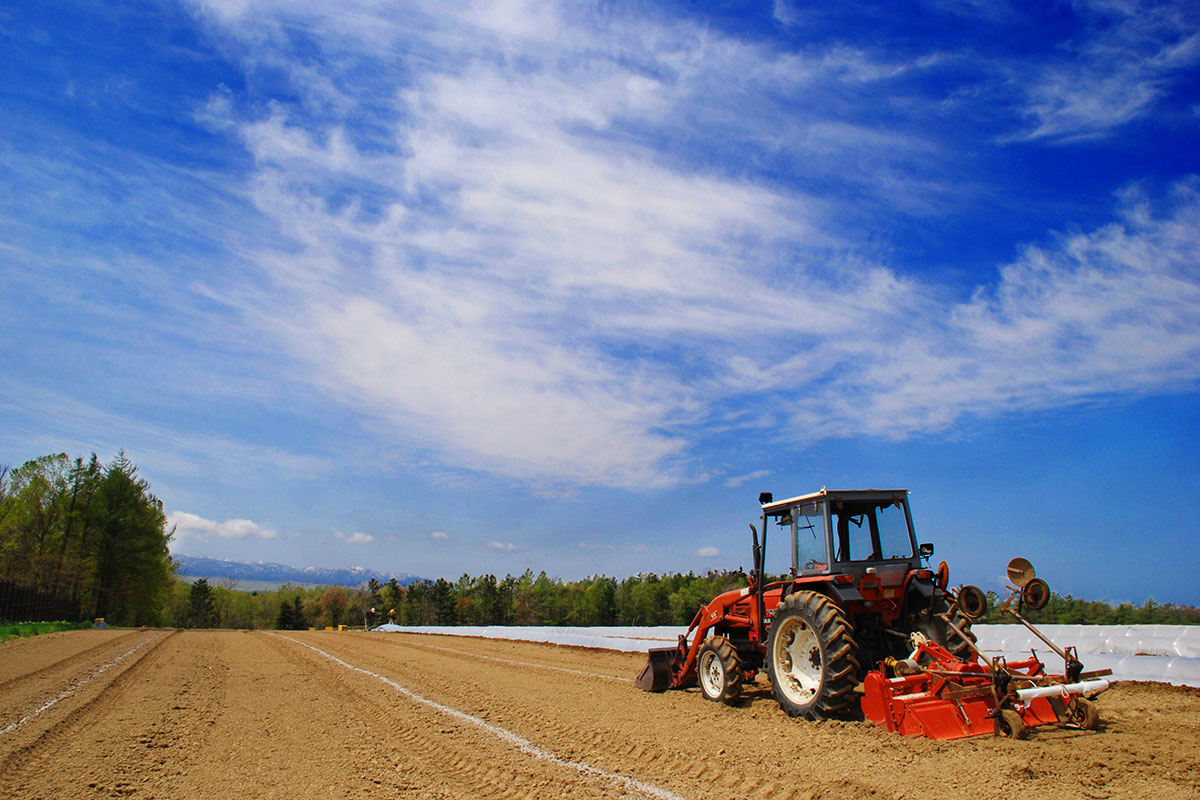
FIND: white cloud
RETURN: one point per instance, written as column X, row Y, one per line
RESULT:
column 1129, row 57
column 192, row 526
column 554, row 251
column 502, row 547
column 524, row 280
column 787, row 13
column 439, row 536
column 707, row 552
column 1089, row 315
column 738, row 480
column 216, row 113
column 605, row 548
column 355, row 538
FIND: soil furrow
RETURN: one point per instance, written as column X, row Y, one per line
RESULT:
column 85, row 674
column 25, row 659
column 83, row 711
column 473, row 760
column 218, row 714
column 753, row 750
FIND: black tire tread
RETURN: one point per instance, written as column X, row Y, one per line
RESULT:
column 731, row 662
column 953, row 642
column 841, row 665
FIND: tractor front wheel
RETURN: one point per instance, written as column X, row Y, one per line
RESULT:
column 812, row 657
column 719, row 670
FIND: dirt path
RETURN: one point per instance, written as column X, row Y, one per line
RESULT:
column 225, row 714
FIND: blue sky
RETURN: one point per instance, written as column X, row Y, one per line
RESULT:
column 475, row 287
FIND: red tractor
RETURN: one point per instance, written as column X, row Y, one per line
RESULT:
column 858, row 589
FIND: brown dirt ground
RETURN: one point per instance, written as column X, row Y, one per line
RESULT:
column 226, row 714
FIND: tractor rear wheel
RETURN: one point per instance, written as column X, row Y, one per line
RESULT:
column 719, row 670
column 811, row 657
column 938, row 631
column 955, row 643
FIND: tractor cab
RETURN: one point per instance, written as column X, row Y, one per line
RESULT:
column 859, row 549
column 846, row 533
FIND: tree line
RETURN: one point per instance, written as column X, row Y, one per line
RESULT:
column 91, row 536
column 525, row 599
column 94, row 538
column 528, row 599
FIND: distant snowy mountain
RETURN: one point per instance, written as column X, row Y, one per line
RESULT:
column 265, row 572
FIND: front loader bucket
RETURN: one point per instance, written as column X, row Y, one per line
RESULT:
column 660, row 668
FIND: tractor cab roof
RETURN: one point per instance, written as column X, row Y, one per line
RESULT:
column 836, row 494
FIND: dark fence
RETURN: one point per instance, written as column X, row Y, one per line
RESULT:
column 23, row 604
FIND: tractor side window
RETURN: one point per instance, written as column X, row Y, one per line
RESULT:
column 810, row 542
column 778, row 554
column 893, row 532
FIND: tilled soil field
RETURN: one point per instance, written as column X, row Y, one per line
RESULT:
column 223, row 714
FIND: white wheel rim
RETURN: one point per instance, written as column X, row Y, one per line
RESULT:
column 797, row 661
column 712, row 674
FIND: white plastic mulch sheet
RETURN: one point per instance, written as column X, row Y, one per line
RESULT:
column 631, row 640
column 1167, row 653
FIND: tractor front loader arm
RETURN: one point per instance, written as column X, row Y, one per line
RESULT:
column 675, row 667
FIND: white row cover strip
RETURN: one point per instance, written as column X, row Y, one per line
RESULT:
column 1166, row 653
column 1128, row 640
column 629, row 640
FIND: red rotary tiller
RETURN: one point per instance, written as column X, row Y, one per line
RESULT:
column 935, row 694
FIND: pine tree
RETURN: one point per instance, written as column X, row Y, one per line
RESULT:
column 201, row 612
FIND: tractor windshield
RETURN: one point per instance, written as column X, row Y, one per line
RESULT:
column 872, row 531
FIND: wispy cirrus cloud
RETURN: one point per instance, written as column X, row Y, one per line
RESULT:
column 738, row 480
column 600, row 547
column 1089, row 315
column 1127, row 55
column 525, row 278
column 502, row 253
column 83, row 427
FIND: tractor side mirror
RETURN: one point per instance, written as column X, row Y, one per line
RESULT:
column 925, row 549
